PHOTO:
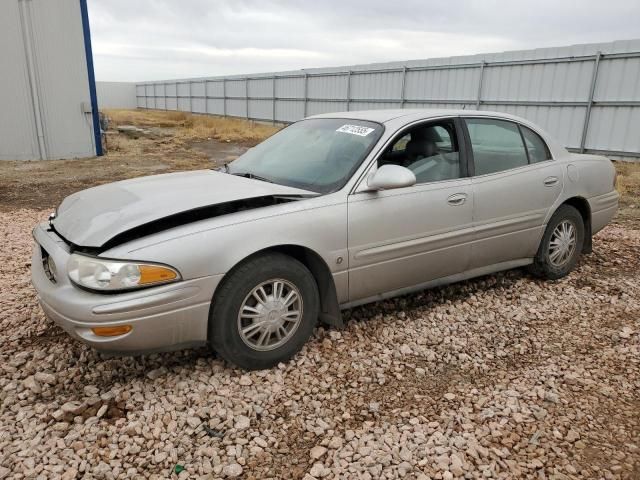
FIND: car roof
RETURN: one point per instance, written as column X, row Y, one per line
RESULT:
column 411, row 114
column 399, row 118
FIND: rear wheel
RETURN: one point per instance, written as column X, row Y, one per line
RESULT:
column 561, row 244
column 264, row 311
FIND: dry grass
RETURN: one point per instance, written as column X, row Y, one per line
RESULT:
column 189, row 127
column 629, row 189
column 629, row 180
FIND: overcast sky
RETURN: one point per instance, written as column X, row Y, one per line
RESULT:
column 135, row 40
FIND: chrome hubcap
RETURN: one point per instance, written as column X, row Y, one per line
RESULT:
column 270, row 315
column 562, row 243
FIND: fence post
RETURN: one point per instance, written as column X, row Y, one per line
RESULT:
column 306, row 96
column 206, row 98
column 273, row 94
column 404, row 86
column 165, row 96
column 348, row 89
column 246, row 96
column 224, row 97
column 592, row 90
column 190, row 99
column 479, row 96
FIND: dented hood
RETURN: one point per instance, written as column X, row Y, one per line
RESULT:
column 92, row 217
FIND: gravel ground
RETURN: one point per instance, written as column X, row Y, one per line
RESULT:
column 501, row 377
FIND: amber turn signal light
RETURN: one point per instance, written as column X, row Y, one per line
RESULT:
column 155, row 274
column 111, row 331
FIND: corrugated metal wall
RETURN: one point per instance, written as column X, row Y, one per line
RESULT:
column 44, row 86
column 116, row 94
column 588, row 96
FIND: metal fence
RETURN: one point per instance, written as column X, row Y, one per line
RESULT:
column 588, row 96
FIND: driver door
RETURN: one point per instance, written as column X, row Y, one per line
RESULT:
column 404, row 237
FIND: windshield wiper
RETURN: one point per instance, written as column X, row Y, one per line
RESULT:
column 251, row 175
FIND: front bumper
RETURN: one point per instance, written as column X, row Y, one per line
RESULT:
column 166, row 317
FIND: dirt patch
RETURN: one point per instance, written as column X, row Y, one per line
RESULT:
column 176, row 143
column 218, row 152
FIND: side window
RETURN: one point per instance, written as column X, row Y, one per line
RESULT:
column 497, row 145
column 538, row 150
column 429, row 150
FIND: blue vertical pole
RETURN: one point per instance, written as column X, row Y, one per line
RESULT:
column 92, row 79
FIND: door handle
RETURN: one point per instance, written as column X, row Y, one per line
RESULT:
column 457, row 199
column 550, row 181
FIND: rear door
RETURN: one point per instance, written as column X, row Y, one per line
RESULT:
column 515, row 183
column 407, row 236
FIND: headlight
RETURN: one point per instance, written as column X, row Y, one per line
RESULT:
column 112, row 275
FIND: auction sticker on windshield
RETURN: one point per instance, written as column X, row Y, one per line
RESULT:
column 355, row 130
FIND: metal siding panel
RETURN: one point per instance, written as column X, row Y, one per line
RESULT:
column 236, row 108
column 171, row 103
column 376, row 85
column 315, row 107
column 290, row 87
column 540, row 82
column 459, row 84
column 184, row 104
column 199, row 105
column 215, row 89
column 215, row 106
column 161, row 103
column 235, row 88
column 261, row 109
column 289, row 110
column 183, row 89
column 260, row 88
column 18, row 134
column 59, row 55
column 372, row 105
column 451, row 106
column 618, row 80
column 333, row 87
column 198, row 89
column 614, row 128
column 171, row 89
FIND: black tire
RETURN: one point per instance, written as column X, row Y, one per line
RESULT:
column 542, row 263
column 224, row 334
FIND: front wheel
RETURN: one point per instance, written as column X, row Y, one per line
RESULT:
column 561, row 244
column 264, row 311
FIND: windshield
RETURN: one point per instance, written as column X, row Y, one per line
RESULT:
column 318, row 154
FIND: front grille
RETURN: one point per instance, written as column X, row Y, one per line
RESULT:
column 48, row 265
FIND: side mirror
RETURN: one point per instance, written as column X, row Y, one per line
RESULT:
column 388, row 177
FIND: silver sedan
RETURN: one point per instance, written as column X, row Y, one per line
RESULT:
column 333, row 211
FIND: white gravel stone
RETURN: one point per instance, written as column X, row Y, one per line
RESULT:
column 44, row 377
column 74, row 408
column 232, row 470
column 242, row 422
column 317, row 452
column 505, row 376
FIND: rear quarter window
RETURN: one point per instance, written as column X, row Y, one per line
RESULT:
column 538, row 150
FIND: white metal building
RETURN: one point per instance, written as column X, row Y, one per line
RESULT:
column 47, row 87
